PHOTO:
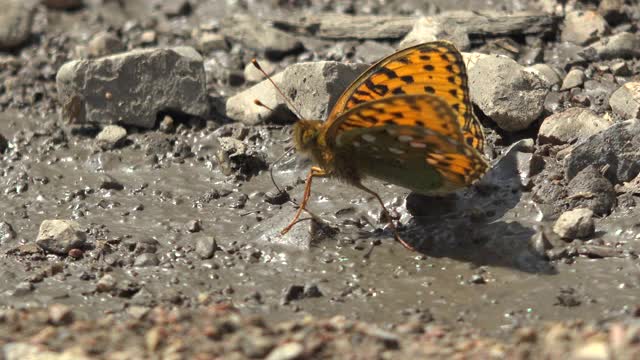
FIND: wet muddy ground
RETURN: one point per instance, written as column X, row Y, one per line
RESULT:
column 170, row 244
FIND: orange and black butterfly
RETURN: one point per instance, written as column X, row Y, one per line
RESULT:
column 407, row 120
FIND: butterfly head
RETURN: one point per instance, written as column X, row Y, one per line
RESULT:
column 305, row 134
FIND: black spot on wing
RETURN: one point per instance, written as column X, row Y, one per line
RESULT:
column 378, row 89
column 408, row 79
column 356, row 101
column 390, row 74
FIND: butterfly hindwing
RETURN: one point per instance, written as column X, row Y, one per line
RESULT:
column 435, row 68
column 409, row 140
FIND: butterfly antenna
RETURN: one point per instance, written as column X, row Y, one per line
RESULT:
column 257, row 102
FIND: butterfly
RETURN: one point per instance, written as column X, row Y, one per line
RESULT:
column 407, row 120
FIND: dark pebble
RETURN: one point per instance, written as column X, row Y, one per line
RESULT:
column 292, row 293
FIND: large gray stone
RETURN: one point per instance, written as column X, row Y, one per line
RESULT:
column 133, row 87
column 623, row 45
column 343, row 26
column 506, row 92
column 16, row 19
column 574, row 78
column 460, row 26
column 583, row 27
column 617, row 148
column 574, row 124
column 625, row 101
column 313, row 87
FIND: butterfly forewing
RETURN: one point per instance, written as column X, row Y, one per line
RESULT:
column 409, row 140
column 435, row 68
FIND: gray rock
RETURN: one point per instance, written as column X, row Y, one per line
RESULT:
column 459, row 26
column 106, row 283
column 16, row 19
column 513, row 169
column 207, row 42
column 4, row 144
column 146, row 259
column 252, row 74
column 63, row 4
column 370, row 52
column 313, row 87
column 312, row 291
column 625, row 101
column 103, row 44
column 241, row 106
column 6, row 232
column 623, row 45
column 257, row 35
column 132, row 87
column 206, row 247
column 583, row 27
column 431, row 28
column 23, row 350
column 570, row 125
column 60, row 236
column 574, row 78
column 148, row 37
column 506, row 93
column 257, row 346
column 287, row 351
column 111, row 137
column 471, row 59
column 108, row 182
column 591, row 190
column 620, row 68
column 545, row 72
column 363, row 27
column 235, row 157
column 175, row 8
column 292, row 293
column 193, row 226
column 60, row 314
column 617, row 149
column 612, row 10
column 23, row 288
column 576, row 223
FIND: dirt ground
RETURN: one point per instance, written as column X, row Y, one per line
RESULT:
column 182, row 257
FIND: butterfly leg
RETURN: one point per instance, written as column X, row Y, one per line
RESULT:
column 388, row 216
column 314, row 172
